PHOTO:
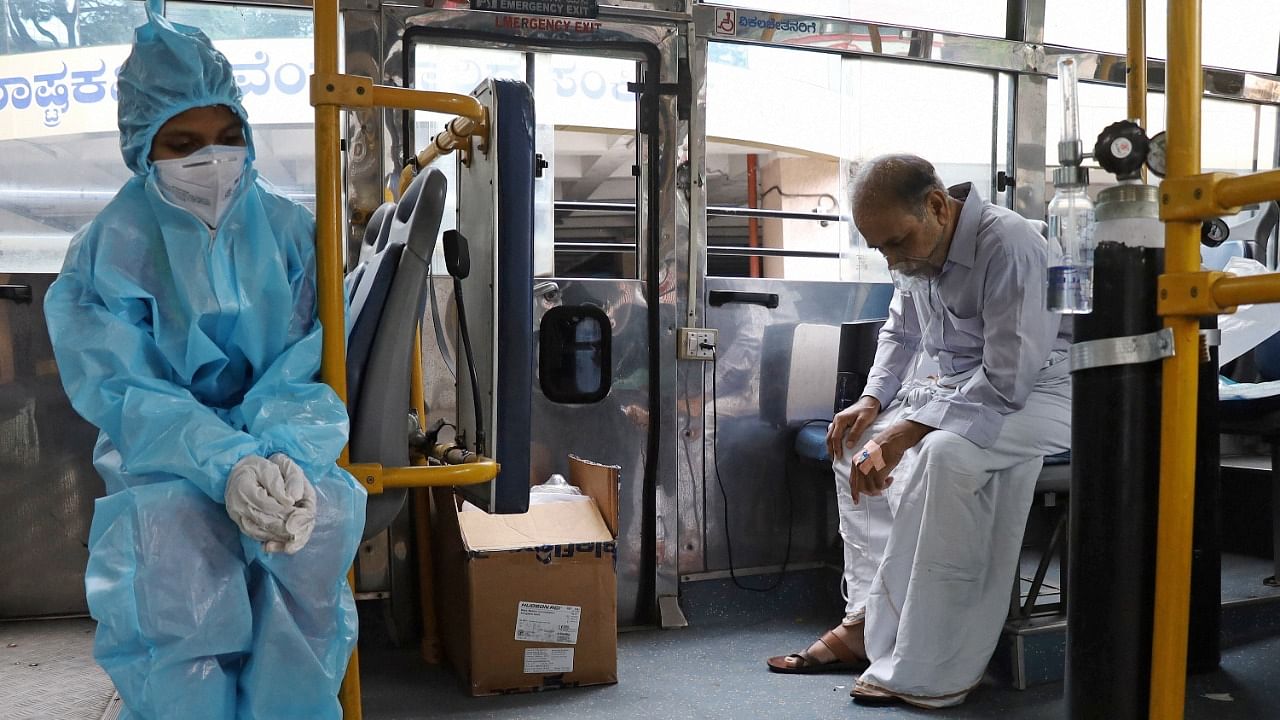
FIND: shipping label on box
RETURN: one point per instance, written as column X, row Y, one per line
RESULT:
column 542, row 622
column 539, row 661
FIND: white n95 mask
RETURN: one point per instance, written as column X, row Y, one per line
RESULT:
column 910, row 284
column 204, row 181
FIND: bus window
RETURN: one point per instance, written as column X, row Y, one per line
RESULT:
column 1238, row 34
column 778, row 183
column 585, row 221
column 593, row 163
column 62, row 146
column 1236, row 137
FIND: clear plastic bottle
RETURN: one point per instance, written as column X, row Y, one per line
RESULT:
column 1071, row 247
column 1070, row 212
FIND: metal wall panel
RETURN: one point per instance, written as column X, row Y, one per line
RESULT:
column 362, row 43
column 1030, row 106
column 768, row 492
column 692, row 272
column 47, row 480
column 611, row 431
column 672, row 212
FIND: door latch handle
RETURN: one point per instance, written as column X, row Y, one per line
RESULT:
column 16, row 293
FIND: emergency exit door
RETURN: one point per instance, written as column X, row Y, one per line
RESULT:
column 603, row 192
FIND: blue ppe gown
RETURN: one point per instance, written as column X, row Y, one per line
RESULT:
column 190, row 349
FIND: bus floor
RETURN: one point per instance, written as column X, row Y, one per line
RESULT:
column 712, row 669
column 715, row 668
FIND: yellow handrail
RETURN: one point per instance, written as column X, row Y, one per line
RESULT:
column 1247, row 189
column 377, row 478
column 1231, row 291
column 1136, row 81
column 1181, row 375
column 329, row 269
column 456, row 135
column 331, row 91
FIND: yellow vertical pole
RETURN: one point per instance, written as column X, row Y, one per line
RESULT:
column 329, row 261
column 329, row 265
column 1136, row 80
column 1178, row 417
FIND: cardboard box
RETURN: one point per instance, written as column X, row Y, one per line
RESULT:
column 529, row 602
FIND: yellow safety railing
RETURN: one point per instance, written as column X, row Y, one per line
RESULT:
column 1187, row 197
column 330, row 92
column 455, row 136
column 1136, row 61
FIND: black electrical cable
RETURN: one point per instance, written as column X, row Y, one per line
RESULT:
column 724, row 497
column 471, row 365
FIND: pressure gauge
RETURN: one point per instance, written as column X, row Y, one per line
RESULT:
column 1157, row 160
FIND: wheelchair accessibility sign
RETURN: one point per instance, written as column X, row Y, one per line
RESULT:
column 726, row 22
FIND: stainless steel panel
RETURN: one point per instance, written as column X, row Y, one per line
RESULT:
column 47, row 480
column 1110, row 69
column 768, row 492
column 491, row 31
column 653, row 10
column 821, row 33
column 638, row 9
column 673, row 234
column 362, row 42
column 612, row 431
column 1030, row 105
column 1033, row 20
column 692, row 509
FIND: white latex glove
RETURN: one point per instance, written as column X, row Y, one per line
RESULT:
column 300, row 519
column 256, row 498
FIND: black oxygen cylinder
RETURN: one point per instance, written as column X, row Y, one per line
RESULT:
column 1203, row 647
column 1115, row 466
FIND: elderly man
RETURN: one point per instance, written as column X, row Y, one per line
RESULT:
column 935, row 476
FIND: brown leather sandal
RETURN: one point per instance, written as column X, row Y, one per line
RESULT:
column 840, row 658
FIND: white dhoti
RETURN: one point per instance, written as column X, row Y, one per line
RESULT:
column 931, row 562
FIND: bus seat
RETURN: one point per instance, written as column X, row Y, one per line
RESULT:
column 380, row 223
column 374, row 240
column 1253, row 409
column 385, row 310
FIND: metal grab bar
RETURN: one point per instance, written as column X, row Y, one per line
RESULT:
column 456, row 135
column 377, row 478
column 1230, row 291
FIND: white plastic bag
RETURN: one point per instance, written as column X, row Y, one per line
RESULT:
column 1249, row 325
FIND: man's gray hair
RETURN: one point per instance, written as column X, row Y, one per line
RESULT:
column 900, row 179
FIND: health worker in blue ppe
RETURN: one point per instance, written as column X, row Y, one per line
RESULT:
column 184, row 325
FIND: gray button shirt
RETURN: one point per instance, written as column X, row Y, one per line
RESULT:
column 983, row 318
